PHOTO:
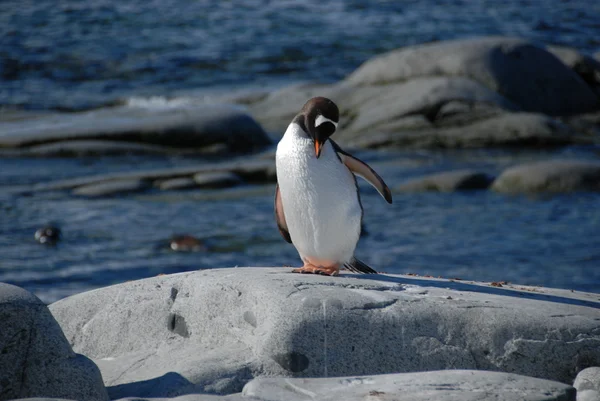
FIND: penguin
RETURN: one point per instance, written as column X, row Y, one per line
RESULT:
column 317, row 202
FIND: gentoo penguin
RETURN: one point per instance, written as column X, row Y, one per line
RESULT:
column 317, row 203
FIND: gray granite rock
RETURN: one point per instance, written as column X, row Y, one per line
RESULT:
column 35, row 357
column 218, row 329
column 446, row 385
column 79, row 148
column 503, row 130
column 184, row 127
column 111, row 188
column 585, row 66
column 550, row 176
column 177, row 184
column 521, row 71
column 588, row 379
column 448, row 181
column 216, row 180
column 252, row 170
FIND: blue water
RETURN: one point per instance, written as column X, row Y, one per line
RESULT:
column 71, row 54
column 543, row 240
column 74, row 55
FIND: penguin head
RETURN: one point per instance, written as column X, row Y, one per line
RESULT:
column 321, row 118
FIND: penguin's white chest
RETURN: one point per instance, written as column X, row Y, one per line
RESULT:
column 320, row 200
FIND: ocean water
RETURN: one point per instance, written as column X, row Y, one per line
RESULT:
column 73, row 55
column 70, row 55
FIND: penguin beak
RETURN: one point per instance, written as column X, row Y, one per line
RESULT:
column 318, row 147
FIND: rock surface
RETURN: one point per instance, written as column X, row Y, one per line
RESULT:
column 214, row 330
column 523, row 72
column 588, row 380
column 448, row 181
column 464, row 385
column 550, row 176
column 111, row 188
column 186, row 127
column 35, row 357
column 459, row 93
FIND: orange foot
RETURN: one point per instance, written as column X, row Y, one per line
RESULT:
column 332, row 270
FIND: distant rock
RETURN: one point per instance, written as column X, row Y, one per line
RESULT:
column 481, row 92
column 80, row 148
column 186, row 243
column 448, row 181
column 185, row 128
column 35, row 357
column 111, row 188
column 216, row 180
column 214, row 330
column 177, row 184
column 550, row 176
column 585, row 66
column 503, row 130
column 523, row 72
column 445, row 385
column 48, row 235
column 253, row 170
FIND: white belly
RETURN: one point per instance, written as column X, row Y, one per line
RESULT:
column 320, row 203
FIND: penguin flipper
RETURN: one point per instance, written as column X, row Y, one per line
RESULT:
column 280, row 217
column 357, row 266
column 362, row 169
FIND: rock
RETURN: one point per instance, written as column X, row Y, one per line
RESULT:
column 588, row 395
column 35, row 358
column 504, row 130
column 585, row 66
column 47, row 235
column 446, row 385
column 177, row 184
column 111, row 188
column 550, row 176
column 517, row 69
column 422, row 96
column 448, row 181
column 216, row 180
column 186, row 243
column 220, row 328
column 588, row 379
column 184, row 127
column 78, row 148
column 252, row 170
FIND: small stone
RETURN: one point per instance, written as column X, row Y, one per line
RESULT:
column 48, row 235
column 186, row 243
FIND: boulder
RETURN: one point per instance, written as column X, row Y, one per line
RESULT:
column 80, row 148
column 447, row 385
column 448, row 181
column 185, row 127
column 523, row 72
column 35, row 358
column 218, row 329
column 253, row 170
column 588, row 379
column 177, row 184
column 504, row 130
column 111, row 188
column 216, row 180
column 550, row 176
column 585, row 66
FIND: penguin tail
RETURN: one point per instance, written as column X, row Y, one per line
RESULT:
column 357, row 266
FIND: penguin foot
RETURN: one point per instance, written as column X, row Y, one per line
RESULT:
column 332, row 270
